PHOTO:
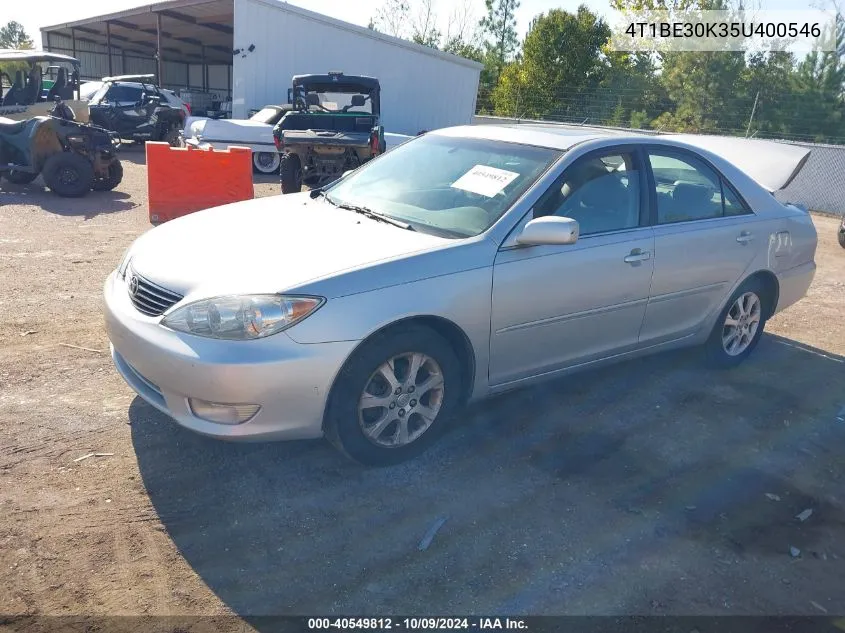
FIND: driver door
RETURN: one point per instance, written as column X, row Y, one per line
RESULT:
column 556, row 306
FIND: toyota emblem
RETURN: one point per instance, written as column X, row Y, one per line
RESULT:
column 133, row 285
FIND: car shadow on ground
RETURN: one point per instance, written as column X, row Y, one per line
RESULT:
column 591, row 494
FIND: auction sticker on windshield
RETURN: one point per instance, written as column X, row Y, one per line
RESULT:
column 484, row 180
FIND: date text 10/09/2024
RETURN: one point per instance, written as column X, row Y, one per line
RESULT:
column 416, row 624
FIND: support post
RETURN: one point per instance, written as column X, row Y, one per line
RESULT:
column 204, row 71
column 753, row 110
column 108, row 46
column 158, row 50
column 73, row 40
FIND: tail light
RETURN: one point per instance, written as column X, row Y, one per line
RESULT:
column 375, row 146
column 278, row 142
column 188, row 108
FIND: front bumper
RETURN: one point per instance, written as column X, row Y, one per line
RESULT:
column 289, row 380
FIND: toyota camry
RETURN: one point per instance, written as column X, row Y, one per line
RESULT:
column 465, row 262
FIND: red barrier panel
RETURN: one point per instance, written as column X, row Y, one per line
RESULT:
column 181, row 180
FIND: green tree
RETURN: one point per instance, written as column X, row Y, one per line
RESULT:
column 561, row 68
column 499, row 30
column 13, row 35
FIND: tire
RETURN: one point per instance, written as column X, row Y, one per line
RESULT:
column 373, row 435
column 266, row 162
column 112, row 180
column 290, row 170
column 19, row 177
column 723, row 349
column 68, row 175
column 172, row 137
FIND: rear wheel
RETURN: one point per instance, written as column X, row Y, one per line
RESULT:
column 172, row 137
column 266, row 162
column 291, row 173
column 740, row 325
column 22, row 177
column 111, row 181
column 68, row 175
column 393, row 396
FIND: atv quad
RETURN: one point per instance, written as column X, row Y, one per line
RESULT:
column 333, row 128
column 72, row 158
column 145, row 116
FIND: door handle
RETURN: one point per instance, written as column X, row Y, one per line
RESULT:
column 637, row 255
column 744, row 237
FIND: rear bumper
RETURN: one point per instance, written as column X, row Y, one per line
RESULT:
column 794, row 284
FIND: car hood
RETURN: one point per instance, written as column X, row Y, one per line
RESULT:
column 228, row 130
column 267, row 245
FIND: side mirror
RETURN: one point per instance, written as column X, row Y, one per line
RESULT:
column 549, row 229
column 358, row 101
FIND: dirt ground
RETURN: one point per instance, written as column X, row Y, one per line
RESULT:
column 652, row 487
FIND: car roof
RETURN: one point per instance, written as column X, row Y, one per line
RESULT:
column 17, row 55
column 770, row 164
column 558, row 137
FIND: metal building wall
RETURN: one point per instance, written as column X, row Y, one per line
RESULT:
column 421, row 89
column 94, row 63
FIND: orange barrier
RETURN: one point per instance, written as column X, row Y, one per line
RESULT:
column 181, row 180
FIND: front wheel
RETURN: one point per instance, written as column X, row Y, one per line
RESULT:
column 739, row 327
column 291, row 173
column 22, row 177
column 393, row 396
column 68, row 175
column 115, row 176
column 266, row 162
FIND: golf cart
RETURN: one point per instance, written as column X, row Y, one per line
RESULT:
column 842, row 232
column 72, row 158
column 333, row 128
column 31, row 80
column 136, row 114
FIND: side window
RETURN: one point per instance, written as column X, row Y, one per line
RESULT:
column 687, row 189
column 601, row 192
column 123, row 94
column 732, row 202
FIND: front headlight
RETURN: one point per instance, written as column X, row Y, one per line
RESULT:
column 241, row 317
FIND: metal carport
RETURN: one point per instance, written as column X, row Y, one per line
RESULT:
column 187, row 44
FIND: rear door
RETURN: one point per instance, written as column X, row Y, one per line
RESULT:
column 704, row 236
column 559, row 306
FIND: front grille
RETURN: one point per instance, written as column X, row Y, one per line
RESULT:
column 147, row 297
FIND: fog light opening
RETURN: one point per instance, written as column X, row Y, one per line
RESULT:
column 221, row 413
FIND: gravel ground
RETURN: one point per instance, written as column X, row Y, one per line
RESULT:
column 651, row 487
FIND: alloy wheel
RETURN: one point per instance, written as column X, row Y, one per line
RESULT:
column 741, row 324
column 401, row 400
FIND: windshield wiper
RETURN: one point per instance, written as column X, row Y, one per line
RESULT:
column 369, row 213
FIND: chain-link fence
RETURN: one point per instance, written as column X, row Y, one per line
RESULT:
column 820, row 185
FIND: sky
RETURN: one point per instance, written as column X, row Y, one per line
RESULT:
column 34, row 14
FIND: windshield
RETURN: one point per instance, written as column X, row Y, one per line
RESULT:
column 455, row 187
column 265, row 115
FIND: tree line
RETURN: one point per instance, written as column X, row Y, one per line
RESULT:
column 565, row 70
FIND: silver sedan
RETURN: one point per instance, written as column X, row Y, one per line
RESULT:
column 465, row 262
